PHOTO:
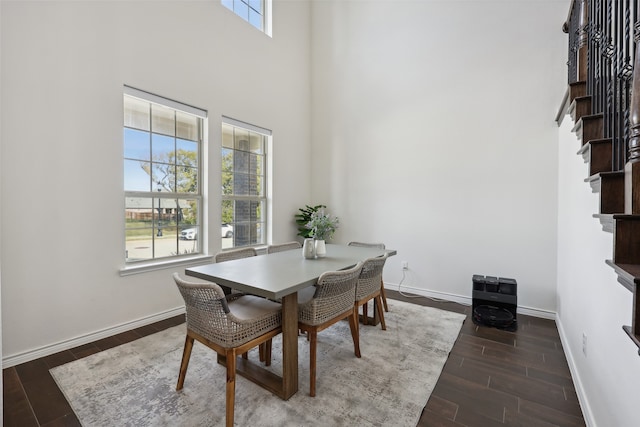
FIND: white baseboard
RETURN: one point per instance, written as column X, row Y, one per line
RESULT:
column 587, row 413
column 27, row 356
column 465, row 300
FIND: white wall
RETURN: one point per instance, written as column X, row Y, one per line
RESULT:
column 591, row 301
column 63, row 67
column 1, row 379
column 433, row 131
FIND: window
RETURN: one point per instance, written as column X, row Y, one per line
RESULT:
column 162, row 177
column 255, row 12
column 244, row 199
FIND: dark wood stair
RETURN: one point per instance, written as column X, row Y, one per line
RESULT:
column 597, row 152
column 610, row 186
column 589, row 128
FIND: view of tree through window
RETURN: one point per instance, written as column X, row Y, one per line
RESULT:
column 162, row 146
column 243, row 186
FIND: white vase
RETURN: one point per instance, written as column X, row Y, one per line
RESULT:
column 309, row 249
column 321, row 249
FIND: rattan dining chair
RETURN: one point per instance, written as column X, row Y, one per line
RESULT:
column 383, row 295
column 327, row 302
column 368, row 287
column 234, row 254
column 231, row 255
column 229, row 325
column 280, row 247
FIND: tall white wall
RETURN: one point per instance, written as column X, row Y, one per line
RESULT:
column 64, row 64
column 433, row 131
column 591, row 301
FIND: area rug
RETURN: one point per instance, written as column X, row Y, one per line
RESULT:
column 134, row 384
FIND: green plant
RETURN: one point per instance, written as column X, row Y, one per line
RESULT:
column 322, row 225
column 303, row 218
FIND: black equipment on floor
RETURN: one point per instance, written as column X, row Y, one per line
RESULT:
column 495, row 301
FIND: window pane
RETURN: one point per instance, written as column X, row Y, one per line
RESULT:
column 256, row 143
column 227, row 211
column 242, row 234
column 187, row 179
column 164, row 177
column 139, row 245
column 255, row 164
column 227, row 135
column 138, row 228
column 255, row 19
column 227, row 160
column 136, row 176
column 187, row 153
column 166, row 241
column 187, row 214
column 256, row 234
column 187, row 126
column 241, row 184
column 227, row 172
column 241, row 139
column 138, row 212
column 162, row 148
column 188, row 242
column 163, row 120
column 136, row 113
column 241, row 161
column 137, row 144
column 256, row 5
column 241, row 9
column 228, row 4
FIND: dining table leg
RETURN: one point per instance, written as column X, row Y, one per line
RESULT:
column 289, row 345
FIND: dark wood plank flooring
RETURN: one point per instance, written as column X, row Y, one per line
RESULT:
column 492, row 378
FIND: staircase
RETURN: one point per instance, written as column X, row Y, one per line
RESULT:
column 603, row 99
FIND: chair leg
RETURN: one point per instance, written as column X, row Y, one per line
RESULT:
column 355, row 333
column 261, row 352
column 186, row 354
column 365, row 313
column 267, row 352
column 313, row 347
column 378, row 303
column 231, row 386
column 384, row 296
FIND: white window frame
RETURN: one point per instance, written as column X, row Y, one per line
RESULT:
column 264, row 199
column 163, row 260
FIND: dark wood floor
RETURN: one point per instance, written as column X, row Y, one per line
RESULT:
column 492, row 378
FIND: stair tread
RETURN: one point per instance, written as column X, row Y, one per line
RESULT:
column 630, row 272
column 600, row 175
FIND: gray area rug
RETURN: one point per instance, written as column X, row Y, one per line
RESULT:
column 134, row 384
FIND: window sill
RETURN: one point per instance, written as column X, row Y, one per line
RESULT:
column 161, row 265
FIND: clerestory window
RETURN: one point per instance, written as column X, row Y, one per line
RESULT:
column 255, row 12
column 162, row 177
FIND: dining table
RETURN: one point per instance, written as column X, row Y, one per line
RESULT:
column 279, row 276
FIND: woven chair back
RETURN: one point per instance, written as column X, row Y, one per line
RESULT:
column 334, row 295
column 367, row 245
column 234, row 254
column 370, row 276
column 283, row 247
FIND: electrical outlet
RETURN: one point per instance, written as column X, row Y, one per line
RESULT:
column 405, row 265
column 584, row 344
